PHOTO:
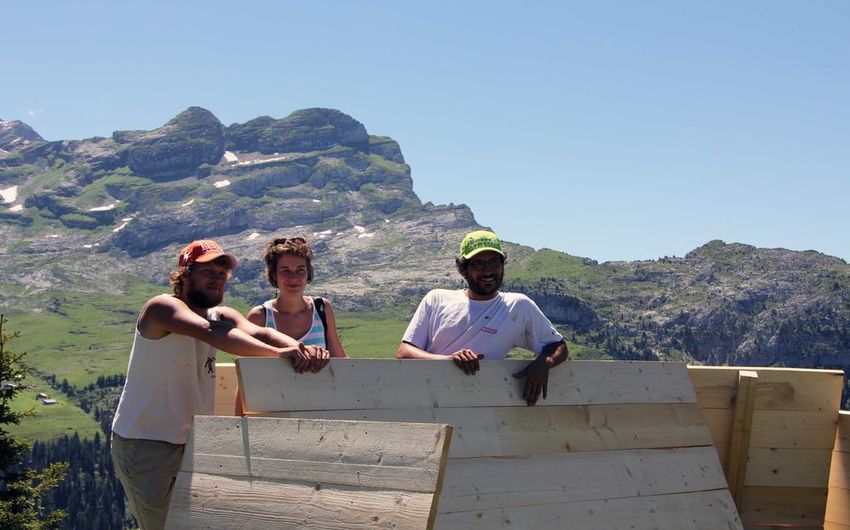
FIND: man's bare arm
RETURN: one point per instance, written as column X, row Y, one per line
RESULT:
column 312, row 358
column 465, row 359
column 166, row 314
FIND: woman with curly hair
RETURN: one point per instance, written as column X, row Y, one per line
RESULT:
column 289, row 268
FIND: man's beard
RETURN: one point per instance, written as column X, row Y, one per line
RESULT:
column 198, row 298
column 482, row 290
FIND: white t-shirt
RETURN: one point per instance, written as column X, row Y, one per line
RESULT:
column 447, row 321
column 169, row 381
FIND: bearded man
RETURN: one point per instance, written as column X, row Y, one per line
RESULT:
column 481, row 322
column 171, row 374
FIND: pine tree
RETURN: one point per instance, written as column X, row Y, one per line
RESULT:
column 21, row 489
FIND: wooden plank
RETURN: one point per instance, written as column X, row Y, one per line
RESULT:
column 837, row 508
column 707, row 510
column 384, row 383
column 798, row 389
column 610, row 432
column 475, row 484
column 778, row 389
column 715, row 386
column 371, row 454
column 839, row 470
column 719, row 423
column 214, row 502
column 226, row 382
column 527, row 431
column 838, row 502
column 332, row 473
column 842, row 440
column 791, row 506
column 739, row 443
column 793, row 429
column 788, row 467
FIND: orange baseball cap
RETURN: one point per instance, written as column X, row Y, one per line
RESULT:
column 203, row 251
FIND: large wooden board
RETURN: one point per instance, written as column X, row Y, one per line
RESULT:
column 615, row 445
column 225, row 389
column 838, row 502
column 381, row 383
column 778, row 388
column 257, row 473
column 527, row 431
column 790, row 448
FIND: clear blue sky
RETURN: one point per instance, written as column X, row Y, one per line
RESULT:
column 616, row 130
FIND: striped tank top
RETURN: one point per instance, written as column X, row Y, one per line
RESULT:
column 315, row 336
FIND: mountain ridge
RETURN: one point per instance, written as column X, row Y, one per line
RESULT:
column 88, row 214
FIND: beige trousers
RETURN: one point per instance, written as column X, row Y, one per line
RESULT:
column 147, row 470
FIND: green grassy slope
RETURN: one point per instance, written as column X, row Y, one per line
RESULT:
column 80, row 336
column 50, row 421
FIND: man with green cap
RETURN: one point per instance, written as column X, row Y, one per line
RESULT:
column 481, row 322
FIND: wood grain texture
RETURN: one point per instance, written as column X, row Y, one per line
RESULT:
column 789, row 467
column 382, row 383
column 794, row 506
column 842, row 434
column 838, row 502
column 708, row 510
column 226, row 382
column 611, row 436
column 778, row 388
column 528, row 431
column 742, row 426
column 215, row 502
column 306, row 473
column 474, row 484
column 793, row 429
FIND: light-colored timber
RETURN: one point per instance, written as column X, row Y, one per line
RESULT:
column 838, row 502
column 788, row 455
column 793, row 432
column 611, row 436
column 426, row 384
column 257, row 473
column 225, row 390
column 742, row 426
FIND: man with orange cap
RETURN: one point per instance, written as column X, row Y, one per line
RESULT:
column 171, row 374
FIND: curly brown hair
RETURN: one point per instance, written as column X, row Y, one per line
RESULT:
column 279, row 246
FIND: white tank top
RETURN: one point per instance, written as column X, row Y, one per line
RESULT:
column 169, row 380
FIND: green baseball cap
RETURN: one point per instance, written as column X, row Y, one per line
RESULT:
column 479, row 241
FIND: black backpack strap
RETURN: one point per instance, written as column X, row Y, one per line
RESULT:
column 319, row 304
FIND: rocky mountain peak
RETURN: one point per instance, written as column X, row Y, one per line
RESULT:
column 192, row 138
column 16, row 135
column 90, row 214
column 302, row 131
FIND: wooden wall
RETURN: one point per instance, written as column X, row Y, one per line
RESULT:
column 225, row 390
column 259, row 473
column 615, row 445
column 838, row 502
column 774, row 429
column 786, row 429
